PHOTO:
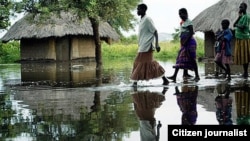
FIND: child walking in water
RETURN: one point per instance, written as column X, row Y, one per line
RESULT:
column 223, row 56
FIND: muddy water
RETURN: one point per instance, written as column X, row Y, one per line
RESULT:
column 74, row 101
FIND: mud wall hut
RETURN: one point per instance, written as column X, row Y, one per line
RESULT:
column 209, row 21
column 58, row 38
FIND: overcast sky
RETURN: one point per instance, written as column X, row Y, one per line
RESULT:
column 165, row 12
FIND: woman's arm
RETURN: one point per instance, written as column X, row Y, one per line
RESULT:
column 189, row 35
column 157, row 41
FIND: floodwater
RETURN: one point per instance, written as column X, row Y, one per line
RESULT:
column 74, row 101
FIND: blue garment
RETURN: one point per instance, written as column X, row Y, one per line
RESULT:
column 228, row 35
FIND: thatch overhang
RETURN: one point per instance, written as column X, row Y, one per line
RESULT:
column 66, row 24
column 210, row 19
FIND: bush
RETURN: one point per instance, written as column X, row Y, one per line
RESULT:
column 9, row 52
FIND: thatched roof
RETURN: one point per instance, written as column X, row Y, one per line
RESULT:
column 210, row 19
column 55, row 26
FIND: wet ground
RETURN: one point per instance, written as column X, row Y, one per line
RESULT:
column 75, row 102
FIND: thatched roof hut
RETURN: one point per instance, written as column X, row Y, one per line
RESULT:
column 59, row 38
column 209, row 21
column 56, row 26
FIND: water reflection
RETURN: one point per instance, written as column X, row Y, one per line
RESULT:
column 223, row 103
column 66, row 114
column 145, row 104
column 50, row 102
column 66, row 74
column 242, row 101
column 187, row 101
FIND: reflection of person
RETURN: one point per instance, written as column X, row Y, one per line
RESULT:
column 223, row 104
column 223, row 56
column 187, row 101
column 145, row 104
column 186, row 58
column 242, row 41
column 242, row 101
column 145, row 67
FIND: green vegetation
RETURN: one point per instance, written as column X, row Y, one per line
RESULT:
column 169, row 49
column 9, row 52
column 127, row 48
column 5, row 7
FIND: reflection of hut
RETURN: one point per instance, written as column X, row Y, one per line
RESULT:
column 59, row 73
column 208, row 22
column 61, row 103
column 57, row 38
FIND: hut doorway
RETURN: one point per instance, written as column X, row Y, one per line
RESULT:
column 62, row 49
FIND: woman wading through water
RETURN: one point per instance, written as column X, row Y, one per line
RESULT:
column 145, row 67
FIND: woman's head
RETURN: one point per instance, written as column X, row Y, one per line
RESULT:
column 183, row 13
column 141, row 9
column 243, row 8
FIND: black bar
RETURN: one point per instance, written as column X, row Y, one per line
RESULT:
column 208, row 132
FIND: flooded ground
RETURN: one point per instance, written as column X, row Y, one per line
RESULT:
column 74, row 101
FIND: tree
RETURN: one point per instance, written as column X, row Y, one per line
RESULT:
column 8, row 8
column 4, row 14
column 116, row 13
